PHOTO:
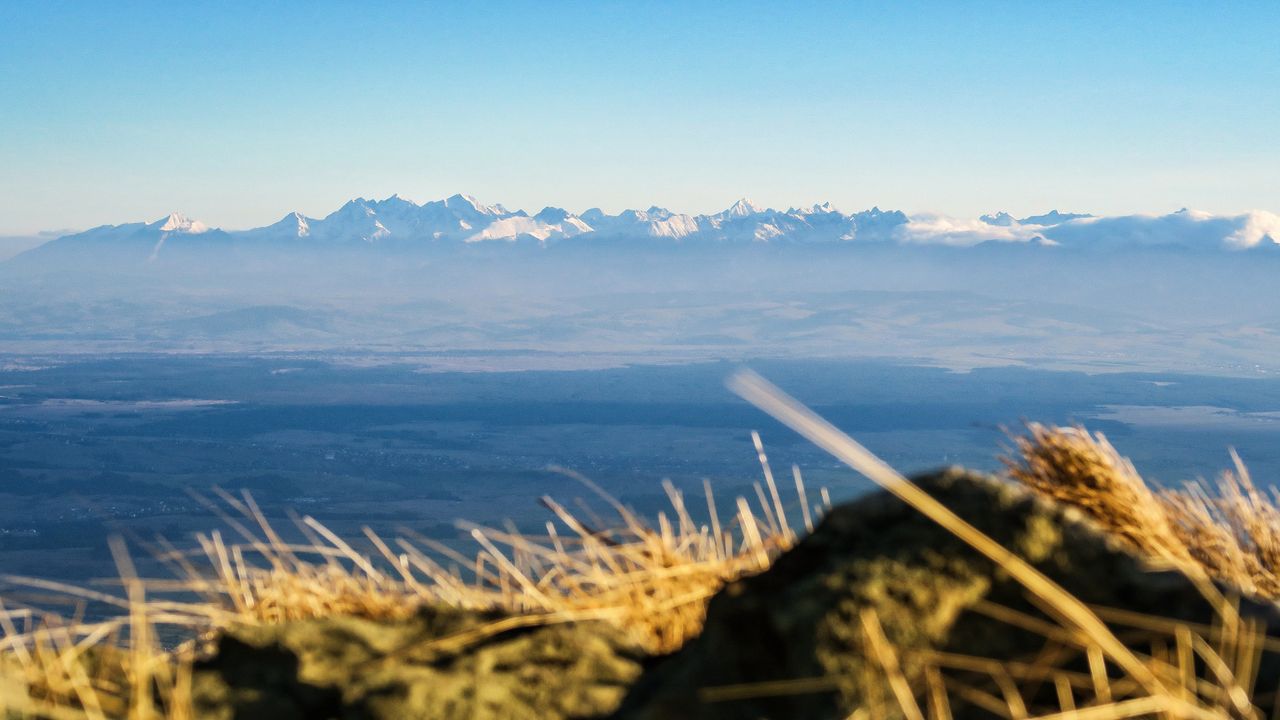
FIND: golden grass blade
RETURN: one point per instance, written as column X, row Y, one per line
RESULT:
column 1012, row 696
column 939, row 704
column 773, row 486
column 888, row 659
column 1137, row 707
column 711, row 510
column 804, row 500
column 787, row 410
column 632, row 522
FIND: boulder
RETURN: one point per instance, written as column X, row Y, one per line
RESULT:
column 441, row 664
column 787, row 643
column 802, row 619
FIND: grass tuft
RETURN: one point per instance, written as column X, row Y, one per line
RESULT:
column 1228, row 530
column 651, row 579
column 1210, row 672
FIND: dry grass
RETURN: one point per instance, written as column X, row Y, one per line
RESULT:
column 653, row 580
column 1229, row 531
column 650, row 579
column 1184, row 672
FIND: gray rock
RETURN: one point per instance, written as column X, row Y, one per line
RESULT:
column 801, row 618
column 353, row 668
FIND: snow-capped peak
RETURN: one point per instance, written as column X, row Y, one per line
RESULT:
column 1053, row 217
column 358, row 207
column 179, row 223
column 743, row 208
column 295, row 222
column 1000, row 219
column 400, row 223
column 397, row 200
column 467, row 202
column 551, row 214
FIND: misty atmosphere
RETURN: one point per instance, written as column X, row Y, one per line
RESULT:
column 413, row 379
column 1186, row 292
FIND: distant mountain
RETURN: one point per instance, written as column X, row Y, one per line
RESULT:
column 140, row 240
column 1049, row 219
column 1000, row 219
column 461, row 220
column 1185, row 289
column 655, row 222
column 1053, row 217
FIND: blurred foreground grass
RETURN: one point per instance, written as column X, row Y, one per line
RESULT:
column 652, row 579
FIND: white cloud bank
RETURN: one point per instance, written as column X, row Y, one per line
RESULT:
column 1185, row 228
column 934, row 229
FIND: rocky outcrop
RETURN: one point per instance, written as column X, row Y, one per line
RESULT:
column 440, row 665
column 801, row 618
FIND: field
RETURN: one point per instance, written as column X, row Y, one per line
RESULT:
column 94, row 446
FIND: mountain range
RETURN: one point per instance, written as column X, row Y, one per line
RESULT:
column 461, row 219
column 1187, row 289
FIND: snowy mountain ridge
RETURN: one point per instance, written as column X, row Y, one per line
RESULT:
column 461, row 220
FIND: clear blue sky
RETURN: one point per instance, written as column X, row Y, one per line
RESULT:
column 238, row 112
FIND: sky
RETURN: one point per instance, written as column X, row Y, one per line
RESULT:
column 236, row 113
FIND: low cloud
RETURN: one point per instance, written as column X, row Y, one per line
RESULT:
column 1185, row 228
column 933, row 229
column 1259, row 227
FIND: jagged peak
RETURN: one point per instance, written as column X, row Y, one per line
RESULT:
column 551, row 214
column 1001, row 219
column 461, row 200
column 1053, row 217
column 824, row 208
column 359, row 203
column 295, row 222
column 743, row 208
column 179, row 223
column 397, row 199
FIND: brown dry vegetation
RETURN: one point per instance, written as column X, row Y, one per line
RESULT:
column 1228, row 530
column 653, row 581
column 1122, row 680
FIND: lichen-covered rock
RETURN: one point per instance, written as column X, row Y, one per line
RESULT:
column 352, row 668
column 802, row 618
